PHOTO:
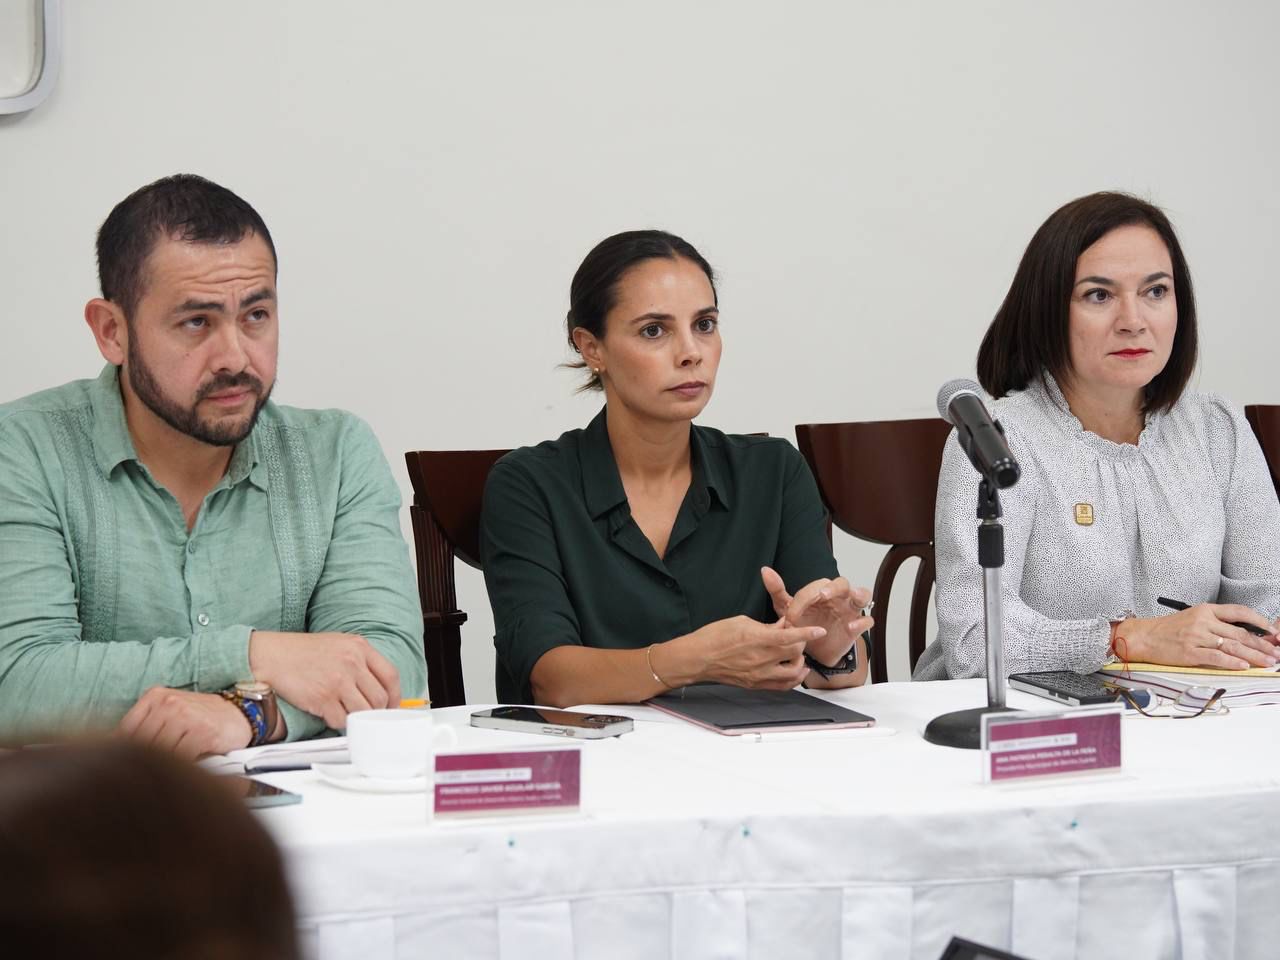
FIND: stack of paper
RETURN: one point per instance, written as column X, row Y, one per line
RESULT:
column 280, row 756
column 1192, row 687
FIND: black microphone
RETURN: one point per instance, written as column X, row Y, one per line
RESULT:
column 960, row 404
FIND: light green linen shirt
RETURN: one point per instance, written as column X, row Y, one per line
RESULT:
column 104, row 593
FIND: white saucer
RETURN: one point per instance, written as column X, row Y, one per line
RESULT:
column 346, row 776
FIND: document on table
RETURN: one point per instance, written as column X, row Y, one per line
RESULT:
column 298, row 755
column 1124, row 668
column 1192, row 687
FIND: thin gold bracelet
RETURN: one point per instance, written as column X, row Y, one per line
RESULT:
column 648, row 651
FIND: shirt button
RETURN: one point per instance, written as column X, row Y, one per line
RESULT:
column 671, row 584
column 191, row 546
column 203, row 619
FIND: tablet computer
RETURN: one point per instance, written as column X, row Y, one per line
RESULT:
column 736, row 710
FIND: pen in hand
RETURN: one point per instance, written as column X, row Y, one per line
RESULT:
column 1179, row 605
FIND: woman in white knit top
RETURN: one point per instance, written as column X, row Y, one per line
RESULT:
column 1132, row 488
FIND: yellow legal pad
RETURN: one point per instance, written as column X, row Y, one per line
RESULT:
column 1207, row 671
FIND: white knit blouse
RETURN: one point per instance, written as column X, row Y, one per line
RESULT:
column 1189, row 513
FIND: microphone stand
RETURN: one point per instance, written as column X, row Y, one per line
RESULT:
column 963, row 728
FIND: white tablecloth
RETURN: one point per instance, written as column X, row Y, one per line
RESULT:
column 848, row 844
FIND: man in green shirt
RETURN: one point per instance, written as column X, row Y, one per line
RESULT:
column 166, row 532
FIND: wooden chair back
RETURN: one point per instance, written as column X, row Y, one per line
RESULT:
column 879, row 480
column 448, row 486
column 1265, row 420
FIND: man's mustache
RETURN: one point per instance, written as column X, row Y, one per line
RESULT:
column 224, row 382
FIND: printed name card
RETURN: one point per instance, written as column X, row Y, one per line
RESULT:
column 1019, row 746
column 493, row 783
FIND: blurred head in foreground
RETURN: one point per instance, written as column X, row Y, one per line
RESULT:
column 114, row 849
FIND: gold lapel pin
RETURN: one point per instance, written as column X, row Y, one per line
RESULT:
column 1084, row 514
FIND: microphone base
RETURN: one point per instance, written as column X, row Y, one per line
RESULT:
column 960, row 728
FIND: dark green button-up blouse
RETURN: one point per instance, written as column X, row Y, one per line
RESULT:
column 565, row 563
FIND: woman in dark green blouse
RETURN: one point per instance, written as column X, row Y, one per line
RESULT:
column 645, row 553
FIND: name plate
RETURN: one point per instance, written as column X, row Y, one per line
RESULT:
column 1061, row 743
column 492, row 783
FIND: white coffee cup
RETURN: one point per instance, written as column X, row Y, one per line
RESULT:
column 395, row 744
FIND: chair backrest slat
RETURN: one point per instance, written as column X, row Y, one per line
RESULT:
column 448, row 489
column 879, row 480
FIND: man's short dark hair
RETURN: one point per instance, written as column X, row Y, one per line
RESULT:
column 1030, row 333
column 181, row 207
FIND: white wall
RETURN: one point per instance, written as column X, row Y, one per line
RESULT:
column 863, row 175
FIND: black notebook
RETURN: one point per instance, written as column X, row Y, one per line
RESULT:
column 735, row 710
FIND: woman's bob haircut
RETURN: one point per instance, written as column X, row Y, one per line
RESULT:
column 1030, row 333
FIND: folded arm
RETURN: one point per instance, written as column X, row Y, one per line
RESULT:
column 52, row 679
column 363, row 646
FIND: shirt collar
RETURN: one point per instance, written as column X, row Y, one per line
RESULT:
column 245, row 461
column 708, row 465
column 1048, row 387
column 602, row 484
column 112, row 444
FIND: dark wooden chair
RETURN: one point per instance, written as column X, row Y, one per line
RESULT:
column 448, row 486
column 879, row 480
column 1265, row 420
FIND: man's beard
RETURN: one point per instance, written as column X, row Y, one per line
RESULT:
column 187, row 420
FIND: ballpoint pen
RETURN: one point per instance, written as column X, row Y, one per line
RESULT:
column 1179, row 605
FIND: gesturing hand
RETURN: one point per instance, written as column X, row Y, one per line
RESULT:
column 188, row 723
column 326, row 674
column 747, row 653
column 1200, row 636
column 833, row 605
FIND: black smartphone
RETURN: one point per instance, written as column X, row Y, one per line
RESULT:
column 1065, row 686
column 555, row 723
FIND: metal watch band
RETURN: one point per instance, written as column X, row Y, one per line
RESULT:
column 254, row 712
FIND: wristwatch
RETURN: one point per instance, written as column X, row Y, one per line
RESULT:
column 257, row 701
column 846, row 664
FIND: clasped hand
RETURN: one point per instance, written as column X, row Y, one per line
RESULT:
column 326, row 674
column 823, row 619
column 187, row 723
column 834, row 605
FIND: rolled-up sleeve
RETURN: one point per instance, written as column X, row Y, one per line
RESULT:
column 528, row 592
